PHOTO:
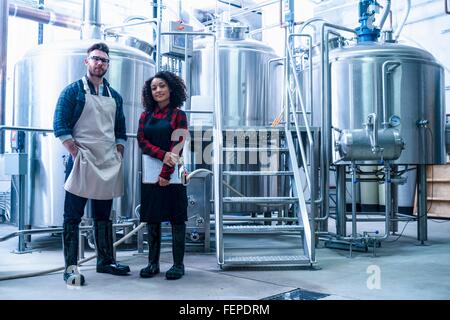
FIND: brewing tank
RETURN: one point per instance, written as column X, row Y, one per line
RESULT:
column 402, row 85
column 249, row 92
column 250, row 95
column 40, row 76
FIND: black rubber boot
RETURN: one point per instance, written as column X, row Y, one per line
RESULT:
column 178, row 242
column 154, row 248
column 70, row 248
column 104, row 245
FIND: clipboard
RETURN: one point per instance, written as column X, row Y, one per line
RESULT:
column 151, row 168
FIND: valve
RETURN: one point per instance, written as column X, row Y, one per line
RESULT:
column 367, row 31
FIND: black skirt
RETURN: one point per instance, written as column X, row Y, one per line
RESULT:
column 160, row 204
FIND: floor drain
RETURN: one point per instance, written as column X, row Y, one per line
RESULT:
column 298, row 294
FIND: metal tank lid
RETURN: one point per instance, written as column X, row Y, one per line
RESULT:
column 232, row 32
column 380, row 49
column 80, row 46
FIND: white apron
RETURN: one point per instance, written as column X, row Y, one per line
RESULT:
column 97, row 171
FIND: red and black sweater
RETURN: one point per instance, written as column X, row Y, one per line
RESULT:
column 178, row 121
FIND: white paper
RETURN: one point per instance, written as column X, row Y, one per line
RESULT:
column 151, row 168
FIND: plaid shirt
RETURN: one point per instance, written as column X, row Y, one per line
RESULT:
column 71, row 103
column 178, row 121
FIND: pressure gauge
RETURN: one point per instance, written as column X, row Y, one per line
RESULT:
column 394, row 121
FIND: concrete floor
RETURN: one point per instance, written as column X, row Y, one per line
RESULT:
column 406, row 271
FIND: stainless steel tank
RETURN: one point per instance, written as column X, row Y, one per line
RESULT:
column 411, row 81
column 247, row 96
column 315, row 116
column 250, row 93
column 40, row 76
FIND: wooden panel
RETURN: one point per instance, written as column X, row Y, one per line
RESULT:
column 438, row 191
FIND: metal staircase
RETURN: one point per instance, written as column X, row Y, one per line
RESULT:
column 272, row 219
column 280, row 231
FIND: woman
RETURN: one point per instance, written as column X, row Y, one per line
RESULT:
column 162, row 97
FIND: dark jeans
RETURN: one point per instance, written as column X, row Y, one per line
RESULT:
column 74, row 205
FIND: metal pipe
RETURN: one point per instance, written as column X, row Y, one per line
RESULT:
column 24, row 128
column 297, row 82
column 388, row 198
column 354, row 181
column 21, row 213
column 179, row 10
column 326, row 114
column 372, row 123
column 384, row 87
column 91, row 25
column 217, row 164
column 311, row 79
column 394, row 196
column 387, row 9
column 189, row 33
column 30, row 232
column 388, row 206
column 158, row 37
column 307, row 23
column 312, row 150
column 3, row 66
column 379, row 219
column 55, row 230
column 381, row 213
column 447, row 11
column 405, row 17
column 44, row 16
column 388, row 201
column 422, row 232
column 198, row 111
column 281, row 12
column 43, row 130
column 341, row 210
column 30, row 182
column 393, row 180
column 256, row 31
column 249, row 9
column 130, row 24
column 299, row 96
column 40, row 25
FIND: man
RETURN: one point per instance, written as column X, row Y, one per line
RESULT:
column 90, row 123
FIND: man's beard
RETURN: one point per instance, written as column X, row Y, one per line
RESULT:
column 94, row 73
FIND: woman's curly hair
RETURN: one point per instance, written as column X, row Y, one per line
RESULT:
column 176, row 86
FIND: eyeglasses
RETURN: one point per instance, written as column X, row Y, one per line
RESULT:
column 96, row 59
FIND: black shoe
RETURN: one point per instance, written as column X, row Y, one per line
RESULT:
column 70, row 249
column 176, row 272
column 104, row 247
column 149, row 271
column 114, row 268
column 73, row 279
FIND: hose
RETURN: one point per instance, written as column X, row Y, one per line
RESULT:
column 195, row 172
column 405, row 17
column 39, row 273
column 385, row 13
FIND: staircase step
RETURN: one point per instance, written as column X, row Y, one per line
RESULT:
column 261, row 229
column 264, row 200
column 255, row 149
column 227, row 217
column 257, row 173
column 253, row 260
column 253, row 129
